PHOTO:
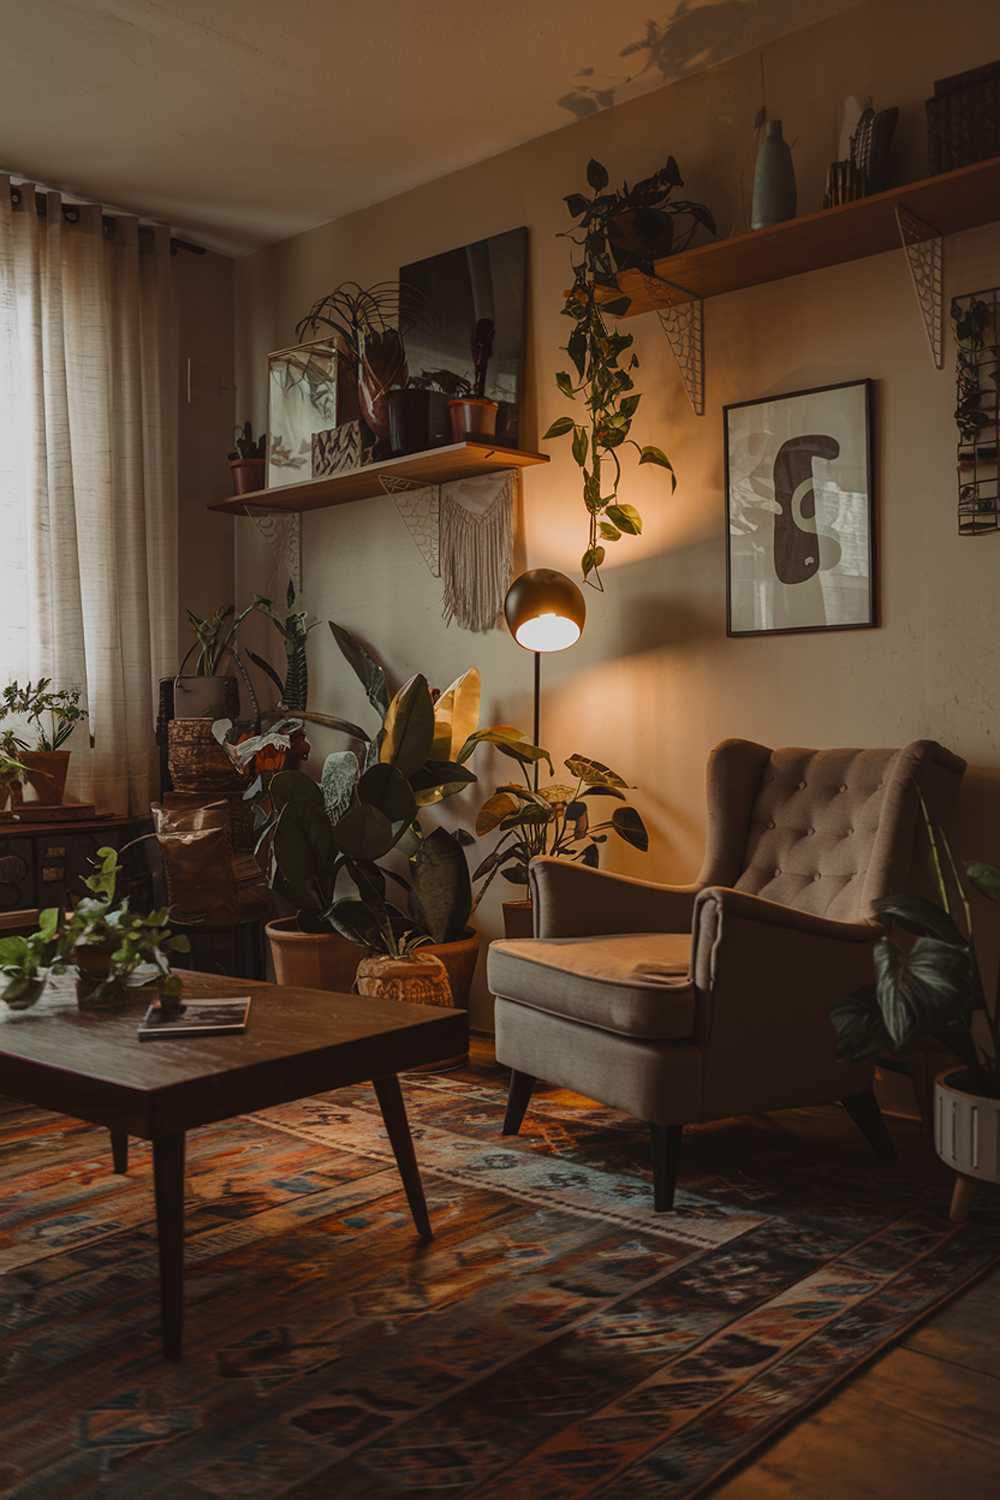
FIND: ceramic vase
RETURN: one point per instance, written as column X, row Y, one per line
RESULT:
column 773, row 180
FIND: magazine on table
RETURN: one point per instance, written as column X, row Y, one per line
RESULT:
column 196, row 1018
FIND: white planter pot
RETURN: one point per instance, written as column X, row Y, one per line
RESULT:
column 966, row 1129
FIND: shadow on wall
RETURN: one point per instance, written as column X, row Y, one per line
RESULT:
column 694, row 36
column 979, row 839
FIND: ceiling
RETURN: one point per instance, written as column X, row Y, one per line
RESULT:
column 246, row 121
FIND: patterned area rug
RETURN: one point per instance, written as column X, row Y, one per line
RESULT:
column 556, row 1340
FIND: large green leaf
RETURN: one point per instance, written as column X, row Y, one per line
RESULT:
column 527, row 754
column 439, row 779
column 366, row 668
column 497, row 734
column 303, row 848
column 494, row 810
column 917, row 915
column 593, row 772
column 364, row 832
column 387, row 789
column 409, row 727
column 630, row 827
column 456, row 714
column 859, row 1026
column 440, row 889
column 986, row 878
column 922, row 988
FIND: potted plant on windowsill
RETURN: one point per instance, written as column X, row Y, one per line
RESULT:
column 54, row 713
column 930, row 990
column 553, row 820
column 12, row 774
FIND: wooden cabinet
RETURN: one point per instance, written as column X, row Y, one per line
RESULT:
column 43, row 864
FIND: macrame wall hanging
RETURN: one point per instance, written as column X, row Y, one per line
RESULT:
column 464, row 531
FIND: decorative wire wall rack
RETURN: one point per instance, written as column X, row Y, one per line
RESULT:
column 976, row 318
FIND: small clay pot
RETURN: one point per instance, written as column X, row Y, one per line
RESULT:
column 472, row 417
column 314, row 960
column 248, row 474
column 45, row 775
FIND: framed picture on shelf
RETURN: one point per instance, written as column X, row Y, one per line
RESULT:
column 800, row 521
column 302, row 400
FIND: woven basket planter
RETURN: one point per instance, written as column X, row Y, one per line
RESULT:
column 198, row 762
column 421, row 979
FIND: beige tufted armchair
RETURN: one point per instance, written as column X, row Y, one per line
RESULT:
column 683, row 1004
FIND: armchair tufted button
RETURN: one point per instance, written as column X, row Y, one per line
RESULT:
column 843, row 786
column 771, row 823
column 810, row 831
column 776, row 874
column 802, row 786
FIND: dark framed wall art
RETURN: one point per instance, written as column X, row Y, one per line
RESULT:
column 800, row 511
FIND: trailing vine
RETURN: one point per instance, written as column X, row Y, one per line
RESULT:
column 614, row 231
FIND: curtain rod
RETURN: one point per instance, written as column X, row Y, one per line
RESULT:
column 71, row 215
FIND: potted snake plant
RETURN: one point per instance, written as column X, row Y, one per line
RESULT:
column 929, row 989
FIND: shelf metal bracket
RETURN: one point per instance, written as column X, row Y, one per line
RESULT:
column 924, row 249
column 684, row 325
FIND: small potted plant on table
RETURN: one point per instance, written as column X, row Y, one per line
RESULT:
column 553, row 820
column 930, row 990
column 53, row 713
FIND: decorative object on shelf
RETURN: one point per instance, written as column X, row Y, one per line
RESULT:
column 545, row 611
column 418, row 419
column 963, row 119
column 553, row 820
column 605, row 384
column 931, row 991
column 476, row 549
column 866, row 167
column 976, row 319
column 475, row 292
column 303, row 398
column 774, row 195
column 383, row 366
column 339, row 450
column 51, row 715
column 247, row 461
column 799, row 511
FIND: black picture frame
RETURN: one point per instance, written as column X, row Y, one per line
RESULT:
column 793, row 613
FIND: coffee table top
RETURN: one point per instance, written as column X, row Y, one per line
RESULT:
column 298, row 1042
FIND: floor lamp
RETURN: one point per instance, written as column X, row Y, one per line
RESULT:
column 545, row 611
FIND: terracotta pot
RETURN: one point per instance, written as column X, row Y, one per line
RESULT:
column 966, row 1127
column 248, row 474
column 45, row 775
column 420, row 979
column 459, row 958
column 315, row 960
column 471, row 417
column 518, row 919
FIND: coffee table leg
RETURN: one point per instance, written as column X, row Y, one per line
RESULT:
column 119, row 1149
column 168, row 1179
column 394, row 1114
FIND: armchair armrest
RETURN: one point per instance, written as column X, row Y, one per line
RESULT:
column 572, row 900
column 767, row 976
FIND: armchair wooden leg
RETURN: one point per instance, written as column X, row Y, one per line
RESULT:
column 666, row 1144
column 864, row 1111
column 521, row 1088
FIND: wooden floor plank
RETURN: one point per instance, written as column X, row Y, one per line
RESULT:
column 967, row 1331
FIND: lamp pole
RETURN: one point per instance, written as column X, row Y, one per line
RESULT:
column 538, row 709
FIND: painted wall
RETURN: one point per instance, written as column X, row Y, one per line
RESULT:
column 655, row 683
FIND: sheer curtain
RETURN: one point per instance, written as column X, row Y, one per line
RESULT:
column 88, row 478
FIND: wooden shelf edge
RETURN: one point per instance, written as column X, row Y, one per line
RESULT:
column 434, row 466
column 949, row 202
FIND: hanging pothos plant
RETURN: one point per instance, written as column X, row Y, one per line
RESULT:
column 614, row 232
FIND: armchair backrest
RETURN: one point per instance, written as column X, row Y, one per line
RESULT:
column 824, row 831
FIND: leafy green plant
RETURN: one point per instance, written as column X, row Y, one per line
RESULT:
column 247, row 446
column 367, row 808
column 27, row 963
column 294, row 630
column 928, row 987
column 614, row 231
column 215, row 635
column 553, row 820
column 54, row 713
column 126, row 938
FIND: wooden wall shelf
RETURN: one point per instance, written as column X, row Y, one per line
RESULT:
column 952, row 201
column 435, row 466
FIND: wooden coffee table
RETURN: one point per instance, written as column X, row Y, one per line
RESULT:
column 91, row 1064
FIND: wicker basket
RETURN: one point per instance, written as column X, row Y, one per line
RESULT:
column 963, row 119
column 198, row 762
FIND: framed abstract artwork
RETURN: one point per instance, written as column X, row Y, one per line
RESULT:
column 800, row 522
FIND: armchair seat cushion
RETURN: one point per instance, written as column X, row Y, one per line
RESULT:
column 637, row 984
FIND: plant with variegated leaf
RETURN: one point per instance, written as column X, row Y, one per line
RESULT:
column 553, row 820
column 294, row 630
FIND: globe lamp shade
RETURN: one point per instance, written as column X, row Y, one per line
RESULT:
column 545, row 610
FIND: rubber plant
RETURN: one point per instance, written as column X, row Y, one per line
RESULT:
column 367, row 807
column 613, row 231
column 552, row 820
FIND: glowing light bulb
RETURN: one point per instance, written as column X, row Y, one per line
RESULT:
column 547, row 632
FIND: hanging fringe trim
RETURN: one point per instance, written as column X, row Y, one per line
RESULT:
column 477, row 549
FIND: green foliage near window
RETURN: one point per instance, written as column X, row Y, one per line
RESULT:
column 929, row 987
column 554, row 819
column 53, row 712
column 613, row 231
column 214, row 635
